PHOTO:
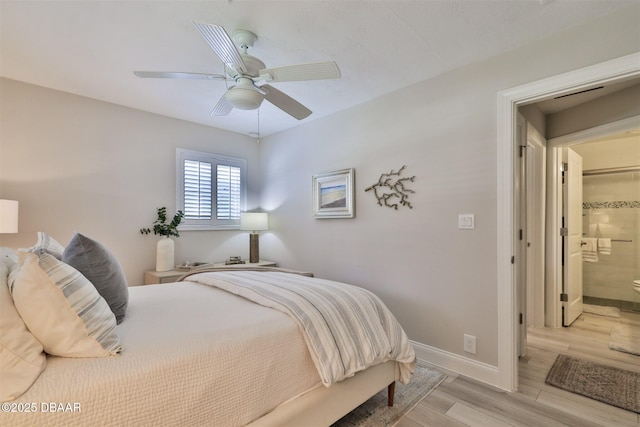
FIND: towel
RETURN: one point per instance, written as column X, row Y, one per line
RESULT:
column 604, row 246
column 589, row 250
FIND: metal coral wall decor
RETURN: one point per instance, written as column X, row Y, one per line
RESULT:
column 390, row 189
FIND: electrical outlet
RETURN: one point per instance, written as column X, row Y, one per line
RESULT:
column 470, row 344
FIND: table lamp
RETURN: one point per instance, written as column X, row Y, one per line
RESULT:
column 254, row 222
column 8, row 216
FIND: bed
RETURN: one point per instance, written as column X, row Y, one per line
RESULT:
column 199, row 352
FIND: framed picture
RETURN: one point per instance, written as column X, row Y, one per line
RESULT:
column 333, row 195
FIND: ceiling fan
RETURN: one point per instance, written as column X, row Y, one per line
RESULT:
column 249, row 74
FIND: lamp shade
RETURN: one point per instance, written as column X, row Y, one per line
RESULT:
column 254, row 221
column 8, row 216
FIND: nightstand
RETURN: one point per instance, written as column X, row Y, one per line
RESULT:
column 152, row 277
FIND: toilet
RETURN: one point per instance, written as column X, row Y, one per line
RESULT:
column 636, row 286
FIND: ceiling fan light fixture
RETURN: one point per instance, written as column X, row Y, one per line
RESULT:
column 244, row 99
column 244, row 95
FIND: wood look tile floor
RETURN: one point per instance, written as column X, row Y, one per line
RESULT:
column 461, row 401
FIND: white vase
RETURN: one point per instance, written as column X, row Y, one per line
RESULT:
column 164, row 255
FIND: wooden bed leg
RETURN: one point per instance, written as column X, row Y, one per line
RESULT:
column 390, row 393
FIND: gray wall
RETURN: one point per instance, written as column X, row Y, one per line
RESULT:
column 77, row 164
column 440, row 281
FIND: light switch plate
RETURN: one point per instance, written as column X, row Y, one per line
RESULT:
column 466, row 221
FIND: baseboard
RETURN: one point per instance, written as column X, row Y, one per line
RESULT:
column 454, row 362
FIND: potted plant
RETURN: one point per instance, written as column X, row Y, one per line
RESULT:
column 165, row 246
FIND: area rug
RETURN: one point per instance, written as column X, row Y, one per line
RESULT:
column 375, row 412
column 617, row 387
column 625, row 338
column 601, row 310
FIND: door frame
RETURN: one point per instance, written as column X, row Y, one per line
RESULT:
column 508, row 101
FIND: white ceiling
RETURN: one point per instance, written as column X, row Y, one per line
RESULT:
column 90, row 48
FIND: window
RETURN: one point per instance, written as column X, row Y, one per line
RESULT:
column 211, row 189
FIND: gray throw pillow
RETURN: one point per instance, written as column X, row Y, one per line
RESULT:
column 101, row 267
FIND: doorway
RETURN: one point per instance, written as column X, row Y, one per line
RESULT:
column 508, row 101
column 591, row 143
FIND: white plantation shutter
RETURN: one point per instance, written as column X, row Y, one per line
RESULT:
column 228, row 192
column 211, row 189
column 197, row 189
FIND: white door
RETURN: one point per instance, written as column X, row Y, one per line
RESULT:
column 521, row 244
column 572, row 241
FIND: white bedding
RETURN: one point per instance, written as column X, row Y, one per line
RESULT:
column 173, row 370
column 347, row 328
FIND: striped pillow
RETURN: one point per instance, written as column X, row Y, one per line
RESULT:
column 62, row 308
column 47, row 244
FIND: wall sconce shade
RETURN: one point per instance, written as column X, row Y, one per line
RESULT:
column 254, row 221
column 8, row 216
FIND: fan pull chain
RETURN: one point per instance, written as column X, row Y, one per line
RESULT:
column 258, row 138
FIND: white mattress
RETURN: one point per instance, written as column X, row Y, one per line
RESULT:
column 192, row 355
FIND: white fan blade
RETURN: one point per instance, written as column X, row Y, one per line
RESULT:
column 222, row 45
column 285, row 102
column 222, row 108
column 177, row 75
column 311, row 71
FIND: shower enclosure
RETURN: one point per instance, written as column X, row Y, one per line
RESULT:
column 611, row 210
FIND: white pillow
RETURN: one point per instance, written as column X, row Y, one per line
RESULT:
column 62, row 308
column 11, row 257
column 21, row 356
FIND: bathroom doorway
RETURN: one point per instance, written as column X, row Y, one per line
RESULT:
column 610, row 214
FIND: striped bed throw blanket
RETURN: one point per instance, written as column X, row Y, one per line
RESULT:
column 346, row 328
